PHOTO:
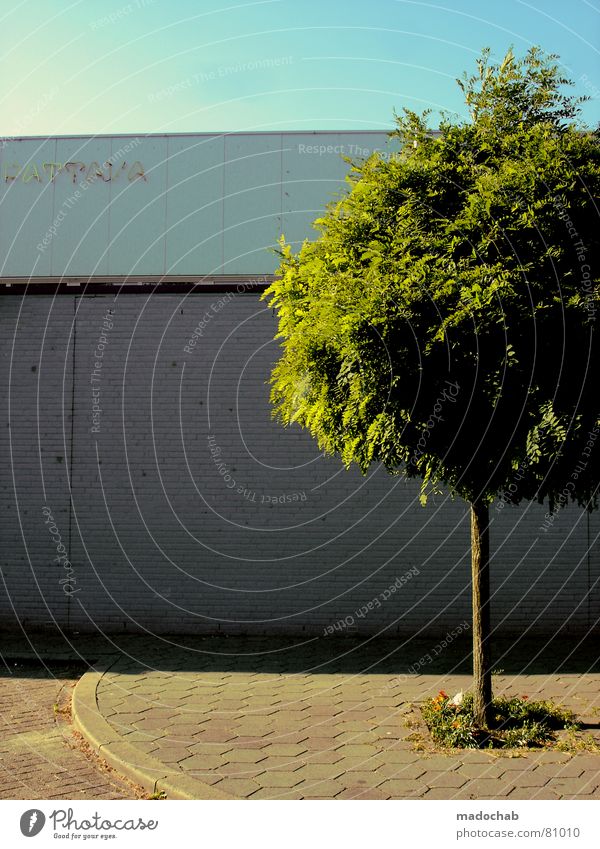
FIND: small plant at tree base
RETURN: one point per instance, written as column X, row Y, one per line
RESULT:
column 514, row 722
column 573, row 743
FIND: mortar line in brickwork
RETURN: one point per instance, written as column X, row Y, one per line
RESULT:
column 222, row 266
column 166, row 207
column 589, row 572
column 70, row 471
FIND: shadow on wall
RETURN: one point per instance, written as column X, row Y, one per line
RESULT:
column 346, row 656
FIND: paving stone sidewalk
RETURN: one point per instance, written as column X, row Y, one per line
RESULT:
column 40, row 758
column 268, row 719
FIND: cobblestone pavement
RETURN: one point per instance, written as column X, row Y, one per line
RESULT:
column 40, row 757
column 263, row 719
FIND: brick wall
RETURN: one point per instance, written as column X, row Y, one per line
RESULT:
column 193, row 511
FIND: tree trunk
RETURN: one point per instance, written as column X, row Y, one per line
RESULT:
column 480, row 570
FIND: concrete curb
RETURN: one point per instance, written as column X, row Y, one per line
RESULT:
column 149, row 772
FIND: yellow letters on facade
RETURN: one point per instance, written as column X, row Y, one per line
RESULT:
column 53, row 168
column 31, row 173
column 73, row 168
column 136, row 171
column 94, row 172
column 17, row 169
column 49, row 171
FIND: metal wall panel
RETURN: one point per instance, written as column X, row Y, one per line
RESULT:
column 26, row 208
column 206, row 204
column 138, row 211
column 80, row 245
column 195, row 205
column 252, row 220
column 309, row 177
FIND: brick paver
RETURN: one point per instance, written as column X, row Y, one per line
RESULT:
column 40, row 757
column 318, row 724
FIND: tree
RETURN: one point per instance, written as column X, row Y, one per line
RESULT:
column 443, row 322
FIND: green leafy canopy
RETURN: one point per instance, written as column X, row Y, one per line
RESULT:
column 443, row 323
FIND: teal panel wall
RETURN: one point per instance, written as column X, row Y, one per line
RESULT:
column 209, row 204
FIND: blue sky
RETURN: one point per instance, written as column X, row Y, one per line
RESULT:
column 182, row 66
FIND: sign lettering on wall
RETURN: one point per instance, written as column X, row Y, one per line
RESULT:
column 47, row 172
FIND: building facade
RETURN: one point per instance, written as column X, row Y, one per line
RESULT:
column 145, row 486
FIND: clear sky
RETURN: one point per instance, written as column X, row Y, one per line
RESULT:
column 96, row 66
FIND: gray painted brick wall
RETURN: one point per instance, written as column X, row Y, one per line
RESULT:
column 285, row 540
